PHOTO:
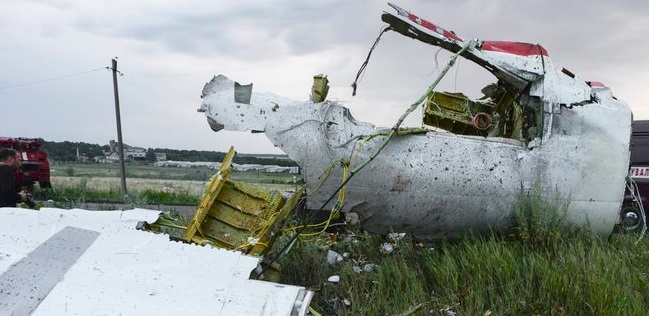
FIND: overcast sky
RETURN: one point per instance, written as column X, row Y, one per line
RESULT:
column 53, row 57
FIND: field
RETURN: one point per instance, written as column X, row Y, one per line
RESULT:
column 146, row 178
column 543, row 266
column 137, row 171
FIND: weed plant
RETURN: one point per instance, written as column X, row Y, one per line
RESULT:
column 542, row 266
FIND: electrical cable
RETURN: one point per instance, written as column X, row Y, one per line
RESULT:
column 367, row 60
column 51, row 79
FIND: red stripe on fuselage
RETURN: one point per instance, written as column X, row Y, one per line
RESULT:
column 429, row 25
column 515, row 48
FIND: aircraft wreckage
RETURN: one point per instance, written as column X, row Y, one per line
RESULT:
column 537, row 127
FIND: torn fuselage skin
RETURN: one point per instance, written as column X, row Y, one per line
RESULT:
column 538, row 127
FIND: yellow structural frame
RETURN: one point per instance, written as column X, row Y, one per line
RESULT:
column 236, row 215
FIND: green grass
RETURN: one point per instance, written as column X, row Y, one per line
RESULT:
column 146, row 184
column 72, row 197
column 132, row 171
column 143, row 171
column 541, row 267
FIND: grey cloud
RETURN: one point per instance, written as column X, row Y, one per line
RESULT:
column 301, row 28
column 169, row 49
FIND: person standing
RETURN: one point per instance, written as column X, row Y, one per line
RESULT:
column 8, row 194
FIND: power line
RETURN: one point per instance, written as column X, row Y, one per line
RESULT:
column 52, row 79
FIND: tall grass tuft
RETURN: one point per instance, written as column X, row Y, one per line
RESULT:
column 540, row 221
column 300, row 258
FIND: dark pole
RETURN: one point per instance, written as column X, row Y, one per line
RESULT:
column 120, row 144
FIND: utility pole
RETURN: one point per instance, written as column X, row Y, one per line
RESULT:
column 120, row 144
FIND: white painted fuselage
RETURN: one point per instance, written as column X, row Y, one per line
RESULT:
column 438, row 184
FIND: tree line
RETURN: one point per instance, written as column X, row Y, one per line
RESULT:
column 67, row 152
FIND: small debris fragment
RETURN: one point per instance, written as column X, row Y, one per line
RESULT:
column 352, row 219
column 386, row 249
column 369, row 267
column 333, row 257
column 395, row 237
column 252, row 241
column 448, row 311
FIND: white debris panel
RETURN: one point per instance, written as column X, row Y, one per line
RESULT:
column 125, row 271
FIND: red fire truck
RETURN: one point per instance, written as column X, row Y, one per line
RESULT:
column 35, row 165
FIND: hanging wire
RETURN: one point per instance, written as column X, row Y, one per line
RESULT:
column 367, row 60
column 436, row 61
column 51, row 79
